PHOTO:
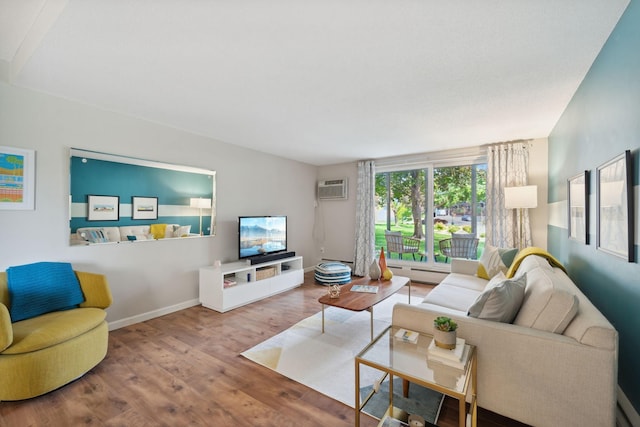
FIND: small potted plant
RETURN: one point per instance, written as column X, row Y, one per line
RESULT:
column 444, row 333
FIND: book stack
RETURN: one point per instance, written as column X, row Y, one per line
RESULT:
column 228, row 283
column 456, row 357
column 407, row 336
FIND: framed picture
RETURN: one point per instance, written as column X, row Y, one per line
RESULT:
column 614, row 233
column 144, row 207
column 103, row 208
column 578, row 203
column 17, row 179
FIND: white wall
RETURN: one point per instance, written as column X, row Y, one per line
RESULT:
column 153, row 278
column 335, row 220
column 538, row 173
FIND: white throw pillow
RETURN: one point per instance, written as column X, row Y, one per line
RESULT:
column 182, row 231
column 493, row 259
column 501, row 300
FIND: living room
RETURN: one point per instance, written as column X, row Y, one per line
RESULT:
column 151, row 280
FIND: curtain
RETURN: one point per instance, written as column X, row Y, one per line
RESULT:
column 507, row 166
column 364, row 252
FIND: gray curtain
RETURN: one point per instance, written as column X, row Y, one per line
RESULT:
column 364, row 252
column 507, row 166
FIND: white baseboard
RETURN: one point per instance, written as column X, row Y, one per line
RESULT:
column 152, row 314
column 627, row 416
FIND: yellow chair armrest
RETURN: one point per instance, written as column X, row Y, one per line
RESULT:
column 6, row 328
column 95, row 289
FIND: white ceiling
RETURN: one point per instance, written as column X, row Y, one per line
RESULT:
column 319, row 81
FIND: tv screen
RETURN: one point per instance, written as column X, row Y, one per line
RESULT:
column 261, row 235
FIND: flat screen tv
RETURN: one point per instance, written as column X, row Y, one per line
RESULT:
column 261, row 235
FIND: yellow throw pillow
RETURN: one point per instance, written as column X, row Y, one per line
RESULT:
column 158, row 230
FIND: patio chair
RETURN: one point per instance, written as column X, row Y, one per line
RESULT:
column 464, row 246
column 401, row 245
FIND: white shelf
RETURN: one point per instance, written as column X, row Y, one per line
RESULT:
column 287, row 273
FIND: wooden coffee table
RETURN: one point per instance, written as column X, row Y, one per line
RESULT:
column 360, row 301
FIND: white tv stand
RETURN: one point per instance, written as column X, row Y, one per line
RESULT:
column 252, row 282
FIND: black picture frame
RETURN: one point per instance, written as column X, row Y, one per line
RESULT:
column 614, row 201
column 103, row 208
column 143, row 207
column 578, row 189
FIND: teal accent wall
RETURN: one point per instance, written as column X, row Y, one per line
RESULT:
column 602, row 121
column 107, row 178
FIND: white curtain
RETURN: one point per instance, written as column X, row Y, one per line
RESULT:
column 365, row 218
column 507, row 166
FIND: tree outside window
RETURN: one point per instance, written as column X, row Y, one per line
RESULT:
column 458, row 205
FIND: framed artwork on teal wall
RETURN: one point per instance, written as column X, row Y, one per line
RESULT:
column 103, row 208
column 578, row 203
column 144, row 207
column 614, row 233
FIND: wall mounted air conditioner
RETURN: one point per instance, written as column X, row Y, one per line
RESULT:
column 333, row 189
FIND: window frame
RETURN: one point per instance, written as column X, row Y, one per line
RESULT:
column 428, row 163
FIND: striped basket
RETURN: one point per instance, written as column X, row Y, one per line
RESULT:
column 332, row 273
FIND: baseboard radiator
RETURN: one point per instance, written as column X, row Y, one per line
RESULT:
column 416, row 274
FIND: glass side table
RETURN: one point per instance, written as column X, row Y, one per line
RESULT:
column 394, row 357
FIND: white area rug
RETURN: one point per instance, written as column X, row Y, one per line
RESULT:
column 325, row 362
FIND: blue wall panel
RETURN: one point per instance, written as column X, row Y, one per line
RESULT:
column 601, row 122
column 171, row 187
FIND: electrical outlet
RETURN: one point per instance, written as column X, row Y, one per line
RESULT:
column 322, row 250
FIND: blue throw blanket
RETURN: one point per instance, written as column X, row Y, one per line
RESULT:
column 40, row 288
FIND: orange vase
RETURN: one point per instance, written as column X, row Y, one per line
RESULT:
column 383, row 261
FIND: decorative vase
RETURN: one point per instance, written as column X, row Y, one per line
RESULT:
column 383, row 261
column 374, row 270
column 445, row 339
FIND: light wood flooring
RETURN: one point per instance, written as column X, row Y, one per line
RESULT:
column 185, row 369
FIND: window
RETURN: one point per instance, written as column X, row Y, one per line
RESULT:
column 432, row 204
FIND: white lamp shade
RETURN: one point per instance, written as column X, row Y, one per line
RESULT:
column 521, row 197
column 199, row 202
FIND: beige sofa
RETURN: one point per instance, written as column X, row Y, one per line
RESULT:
column 555, row 365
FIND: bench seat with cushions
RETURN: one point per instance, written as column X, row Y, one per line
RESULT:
column 87, row 235
column 546, row 355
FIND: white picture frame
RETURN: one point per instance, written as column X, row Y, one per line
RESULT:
column 103, row 208
column 614, row 200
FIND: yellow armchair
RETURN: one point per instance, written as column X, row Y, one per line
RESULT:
column 43, row 353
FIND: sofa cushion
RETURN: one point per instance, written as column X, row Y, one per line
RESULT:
column 494, row 260
column 549, row 301
column 134, row 230
column 53, row 328
column 453, row 297
column 42, row 287
column 465, row 281
column 501, row 300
